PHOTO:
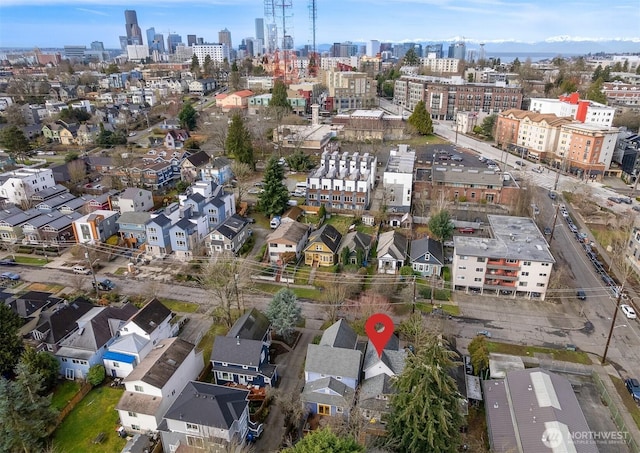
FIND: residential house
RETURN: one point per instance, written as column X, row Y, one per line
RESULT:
column 58, row 322
column 534, row 410
column 242, row 356
column 514, row 260
column 207, row 416
column 175, row 138
column 359, row 246
column 96, row 227
column 155, row 384
column 217, row 170
column 133, row 199
column 137, row 337
column 322, row 246
column 332, row 372
column 237, row 100
column 289, row 237
column 392, row 252
column 132, row 227
column 158, row 236
column 86, row 346
column 425, row 256
column 190, row 167
column 230, row 236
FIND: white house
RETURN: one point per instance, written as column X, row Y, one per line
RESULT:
column 156, row 383
column 19, row 185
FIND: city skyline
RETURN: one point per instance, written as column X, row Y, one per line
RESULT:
column 55, row 23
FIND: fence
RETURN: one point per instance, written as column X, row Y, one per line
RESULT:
column 84, row 389
column 615, row 412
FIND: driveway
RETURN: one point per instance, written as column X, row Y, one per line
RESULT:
column 290, row 367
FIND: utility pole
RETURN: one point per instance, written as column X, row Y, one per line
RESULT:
column 555, row 219
column 613, row 323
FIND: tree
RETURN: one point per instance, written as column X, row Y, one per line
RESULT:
column 279, row 96
column 425, row 411
column 43, row 363
column 411, row 58
column 479, row 354
column 238, row 142
column 441, row 226
column 325, row 441
column 96, row 375
column 10, row 342
column 284, row 313
column 594, row 92
column 188, row 117
column 15, row 142
column 421, row 120
column 274, row 200
column 27, row 417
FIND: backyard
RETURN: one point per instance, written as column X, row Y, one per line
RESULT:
column 94, row 415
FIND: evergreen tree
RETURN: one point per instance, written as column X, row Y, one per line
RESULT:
column 10, row 342
column 27, row 417
column 279, row 98
column 14, row 141
column 420, row 119
column 425, row 411
column 238, row 142
column 274, row 200
column 188, row 117
column 284, row 312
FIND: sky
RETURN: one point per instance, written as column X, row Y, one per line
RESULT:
column 55, row 23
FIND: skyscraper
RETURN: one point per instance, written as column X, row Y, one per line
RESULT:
column 224, row 37
column 134, row 34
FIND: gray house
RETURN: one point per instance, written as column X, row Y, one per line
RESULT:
column 426, row 257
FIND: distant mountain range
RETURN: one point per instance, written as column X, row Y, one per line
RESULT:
column 560, row 45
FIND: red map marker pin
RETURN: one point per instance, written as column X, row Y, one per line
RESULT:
column 381, row 337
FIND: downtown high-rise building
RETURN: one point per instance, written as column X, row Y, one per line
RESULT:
column 134, row 34
column 224, row 37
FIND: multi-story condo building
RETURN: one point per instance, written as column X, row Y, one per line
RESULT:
column 444, row 97
column 350, row 90
column 535, row 134
column 18, row 186
column 586, row 150
column 342, row 181
column 515, row 260
column 217, row 52
column 397, row 179
column 587, row 112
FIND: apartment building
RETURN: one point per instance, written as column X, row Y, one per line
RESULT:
column 446, row 96
column 586, row 150
column 397, row 179
column 514, row 261
column 19, row 185
column 343, row 181
column 350, row 90
column 535, row 134
column 587, row 112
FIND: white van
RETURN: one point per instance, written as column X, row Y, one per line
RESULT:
column 81, row 270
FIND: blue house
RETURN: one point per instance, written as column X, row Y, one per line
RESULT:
column 86, row 346
column 243, row 355
column 132, row 228
column 158, row 238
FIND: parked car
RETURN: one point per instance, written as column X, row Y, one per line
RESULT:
column 105, row 285
column 580, row 294
column 8, row 262
column 634, row 388
column 10, row 276
column 626, row 309
column 484, row 333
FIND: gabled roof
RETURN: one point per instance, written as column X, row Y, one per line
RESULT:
column 394, row 244
column 209, row 405
column 162, row 362
column 253, row 325
column 329, row 391
column 420, row 247
column 355, row 240
column 151, row 315
column 328, row 235
column 339, row 335
column 333, row 361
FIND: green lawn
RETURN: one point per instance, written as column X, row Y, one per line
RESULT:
column 63, row 392
column 180, row 306
column 529, row 351
column 93, row 415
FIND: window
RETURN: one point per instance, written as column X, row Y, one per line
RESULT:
column 132, row 414
column 192, row 427
column 138, row 388
column 324, row 409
